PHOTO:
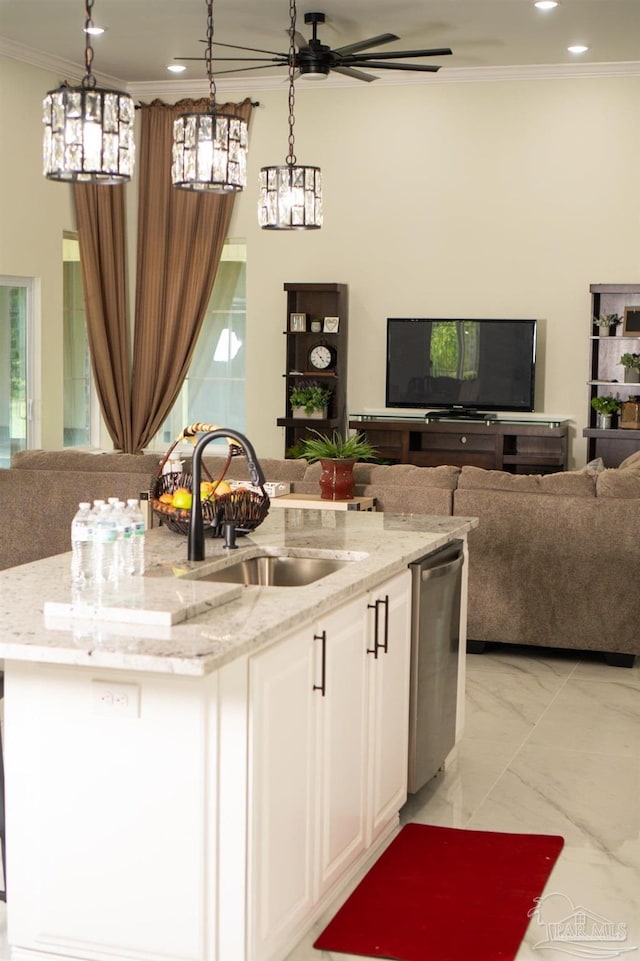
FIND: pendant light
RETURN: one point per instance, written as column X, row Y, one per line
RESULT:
column 88, row 131
column 209, row 148
column 290, row 194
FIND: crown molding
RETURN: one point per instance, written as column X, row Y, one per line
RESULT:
column 178, row 89
column 66, row 69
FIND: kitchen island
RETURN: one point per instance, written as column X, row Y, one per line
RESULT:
column 197, row 770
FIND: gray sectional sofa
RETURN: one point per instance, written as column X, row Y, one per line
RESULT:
column 554, row 562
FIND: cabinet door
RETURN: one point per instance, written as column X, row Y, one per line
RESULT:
column 282, row 758
column 342, row 739
column 389, row 699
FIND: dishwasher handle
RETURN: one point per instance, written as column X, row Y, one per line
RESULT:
column 442, row 570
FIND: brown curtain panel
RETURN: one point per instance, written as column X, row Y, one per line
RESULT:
column 101, row 233
column 180, row 240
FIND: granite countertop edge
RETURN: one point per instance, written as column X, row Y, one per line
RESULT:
column 230, row 621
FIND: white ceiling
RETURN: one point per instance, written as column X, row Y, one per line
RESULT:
column 143, row 36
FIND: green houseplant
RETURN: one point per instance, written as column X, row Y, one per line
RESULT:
column 337, row 455
column 336, row 447
column 631, row 364
column 309, row 399
column 605, row 405
column 605, row 408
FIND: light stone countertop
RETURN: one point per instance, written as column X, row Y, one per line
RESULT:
column 168, row 624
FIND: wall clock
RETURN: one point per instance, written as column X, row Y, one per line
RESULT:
column 322, row 357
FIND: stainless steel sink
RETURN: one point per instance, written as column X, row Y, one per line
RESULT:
column 268, row 570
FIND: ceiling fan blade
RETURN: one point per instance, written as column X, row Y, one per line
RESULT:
column 354, row 74
column 397, row 55
column 363, row 44
column 385, row 65
column 234, row 46
column 277, row 59
column 266, row 66
column 300, row 41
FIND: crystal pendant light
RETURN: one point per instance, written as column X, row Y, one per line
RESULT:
column 209, row 149
column 290, row 194
column 88, row 131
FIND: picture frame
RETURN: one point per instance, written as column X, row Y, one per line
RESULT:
column 631, row 323
column 297, row 322
column 331, row 325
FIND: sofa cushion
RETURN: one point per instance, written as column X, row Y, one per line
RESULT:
column 397, row 488
column 395, row 475
column 148, row 464
column 614, row 482
column 79, row 460
column 573, row 484
column 632, row 461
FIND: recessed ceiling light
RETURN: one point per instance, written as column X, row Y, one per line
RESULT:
column 176, row 67
column 577, row 48
column 545, row 4
column 94, row 31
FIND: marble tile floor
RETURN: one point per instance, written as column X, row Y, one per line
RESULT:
column 551, row 746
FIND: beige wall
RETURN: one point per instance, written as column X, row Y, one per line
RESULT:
column 478, row 199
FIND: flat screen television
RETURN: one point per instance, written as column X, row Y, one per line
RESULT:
column 462, row 367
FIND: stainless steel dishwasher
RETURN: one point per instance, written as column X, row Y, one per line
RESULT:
column 435, row 644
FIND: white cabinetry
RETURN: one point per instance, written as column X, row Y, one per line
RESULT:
column 389, row 701
column 328, row 740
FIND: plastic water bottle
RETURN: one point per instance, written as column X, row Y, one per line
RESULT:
column 81, row 546
column 136, row 518
column 124, row 529
column 105, row 546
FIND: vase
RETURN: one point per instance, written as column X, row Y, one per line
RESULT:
column 337, row 480
column 603, row 421
column 301, row 414
column 631, row 376
column 603, row 331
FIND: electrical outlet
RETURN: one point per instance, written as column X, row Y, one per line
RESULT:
column 115, row 700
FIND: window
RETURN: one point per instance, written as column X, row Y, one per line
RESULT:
column 213, row 391
column 16, row 333
column 78, row 403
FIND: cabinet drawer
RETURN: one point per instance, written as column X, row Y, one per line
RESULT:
column 460, row 440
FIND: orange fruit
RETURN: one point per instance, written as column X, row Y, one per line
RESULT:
column 166, row 498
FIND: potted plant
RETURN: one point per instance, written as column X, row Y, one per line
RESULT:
column 605, row 408
column 606, row 323
column 310, row 400
column 631, row 364
column 337, row 455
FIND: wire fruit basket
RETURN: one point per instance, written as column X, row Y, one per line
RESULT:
column 243, row 507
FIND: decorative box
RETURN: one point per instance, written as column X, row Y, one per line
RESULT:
column 630, row 413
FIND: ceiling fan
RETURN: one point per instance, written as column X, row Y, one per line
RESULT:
column 314, row 59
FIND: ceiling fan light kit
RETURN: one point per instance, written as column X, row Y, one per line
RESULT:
column 209, row 151
column 315, row 60
column 88, row 130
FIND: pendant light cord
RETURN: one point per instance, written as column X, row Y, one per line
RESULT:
column 291, row 156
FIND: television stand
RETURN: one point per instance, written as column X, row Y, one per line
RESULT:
column 495, row 444
column 457, row 414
